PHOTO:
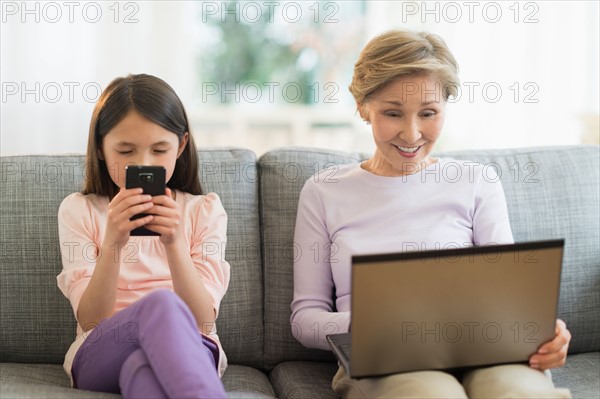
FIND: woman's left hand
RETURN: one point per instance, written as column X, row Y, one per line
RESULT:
column 553, row 354
column 167, row 218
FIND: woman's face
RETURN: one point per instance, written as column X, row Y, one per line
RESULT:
column 407, row 117
column 138, row 141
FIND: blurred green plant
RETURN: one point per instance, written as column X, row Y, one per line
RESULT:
column 253, row 53
column 309, row 54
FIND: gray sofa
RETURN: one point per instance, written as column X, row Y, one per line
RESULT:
column 551, row 192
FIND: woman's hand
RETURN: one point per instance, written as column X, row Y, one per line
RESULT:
column 167, row 218
column 123, row 206
column 553, row 354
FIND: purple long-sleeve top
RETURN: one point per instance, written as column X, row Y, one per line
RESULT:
column 346, row 210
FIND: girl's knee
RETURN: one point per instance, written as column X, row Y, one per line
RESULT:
column 166, row 304
column 160, row 298
column 163, row 300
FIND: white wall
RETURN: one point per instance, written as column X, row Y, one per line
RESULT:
column 557, row 57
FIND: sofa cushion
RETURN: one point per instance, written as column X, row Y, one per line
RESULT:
column 50, row 381
column 244, row 380
column 40, row 381
column 300, row 380
column 37, row 321
column 580, row 375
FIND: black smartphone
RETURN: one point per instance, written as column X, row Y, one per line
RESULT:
column 152, row 180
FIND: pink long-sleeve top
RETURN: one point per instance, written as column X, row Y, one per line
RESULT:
column 347, row 211
column 144, row 267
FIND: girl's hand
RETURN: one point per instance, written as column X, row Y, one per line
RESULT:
column 553, row 354
column 123, row 206
column 167, row 218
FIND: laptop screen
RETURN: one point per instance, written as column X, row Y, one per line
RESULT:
column 453, row 308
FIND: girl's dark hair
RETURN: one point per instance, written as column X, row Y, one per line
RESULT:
column 154, row 99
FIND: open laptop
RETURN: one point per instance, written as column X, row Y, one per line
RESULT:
column 450, row 308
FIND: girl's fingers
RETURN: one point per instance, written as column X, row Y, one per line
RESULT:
column 166, row 232
column 164, row 200
column 131, row 201
column 134, row 210
column 163, row 211
column 134, row 224
column 124, row 193
column 128, row 203
column 123, row 216
column 165, row 221
column 155, row 228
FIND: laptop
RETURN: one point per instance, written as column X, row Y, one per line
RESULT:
column 451, row 308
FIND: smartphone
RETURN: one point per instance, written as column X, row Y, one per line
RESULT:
column 152, row 180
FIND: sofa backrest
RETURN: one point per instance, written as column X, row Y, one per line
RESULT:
column 37, row 320
column 233, row 175
column 551, row 193
column 282, row 176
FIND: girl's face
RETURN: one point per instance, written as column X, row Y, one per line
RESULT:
column 407, row 117
column 138, row 141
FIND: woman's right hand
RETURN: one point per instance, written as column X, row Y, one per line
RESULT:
column 124, row 205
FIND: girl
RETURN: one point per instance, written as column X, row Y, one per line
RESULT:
column 401, row 84
column 145, row 306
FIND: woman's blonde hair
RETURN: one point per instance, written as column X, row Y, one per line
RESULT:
column 400, row 53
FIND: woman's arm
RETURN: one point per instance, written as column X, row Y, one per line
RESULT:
column 491, row 224
column 312, row 307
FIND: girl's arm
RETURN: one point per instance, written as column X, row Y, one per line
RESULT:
column 199, row 271
column 189, row 286
column 98, row 300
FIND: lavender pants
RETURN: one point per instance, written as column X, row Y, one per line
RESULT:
column 151, row 349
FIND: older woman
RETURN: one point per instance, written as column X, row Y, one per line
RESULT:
column 399, row 200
